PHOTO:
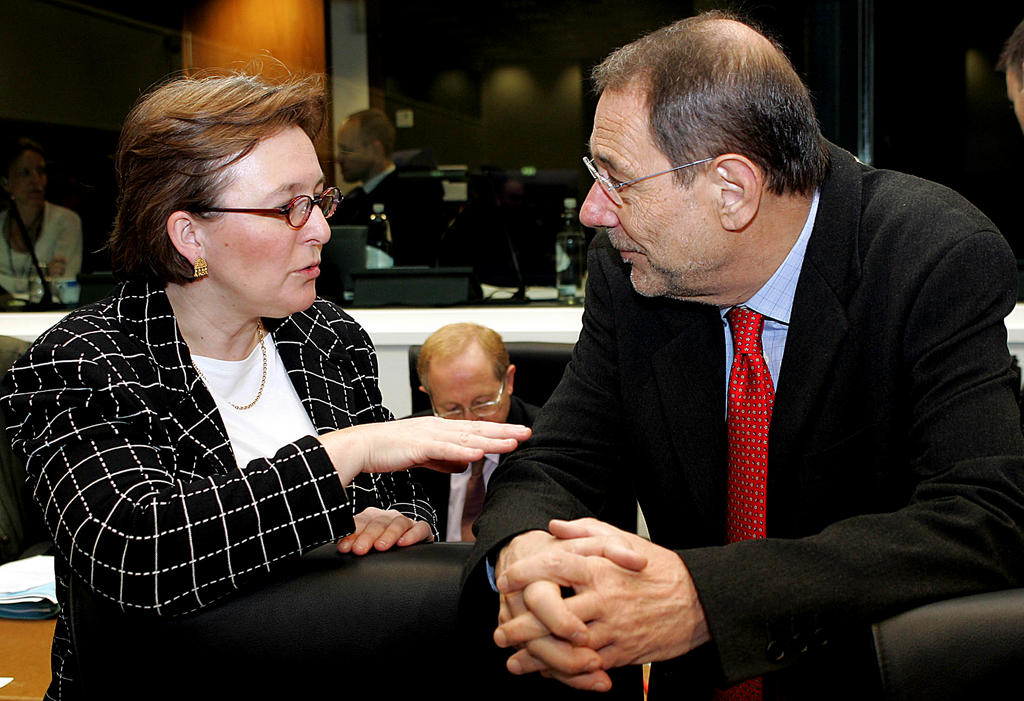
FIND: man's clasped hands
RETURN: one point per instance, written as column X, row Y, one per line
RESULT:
column 631, row 602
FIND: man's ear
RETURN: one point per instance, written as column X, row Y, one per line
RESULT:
column 510, row 377
column 183, row 230
column 378, row 150
column 424, row 390
column 739, row 186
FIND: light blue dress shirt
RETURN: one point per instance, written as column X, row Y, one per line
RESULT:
column 774, row 301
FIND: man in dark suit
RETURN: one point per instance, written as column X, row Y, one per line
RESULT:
column 800, row 364
column 465, row 370
column 413, row 203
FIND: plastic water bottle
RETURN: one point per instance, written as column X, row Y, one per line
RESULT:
column 36, row 291
column 378, row 239
column 570, row 256
column 66, row 291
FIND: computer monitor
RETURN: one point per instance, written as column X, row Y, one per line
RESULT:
column 343, row 255
column 417, row 286
column 95, row 286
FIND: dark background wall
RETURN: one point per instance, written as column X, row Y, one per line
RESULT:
column 502, row 85
column 935, row 105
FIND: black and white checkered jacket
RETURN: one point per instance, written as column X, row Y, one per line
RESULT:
column 130, row 461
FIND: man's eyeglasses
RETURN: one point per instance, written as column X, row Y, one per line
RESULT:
column 296, row 212
column 613, row 188
column 482, row 410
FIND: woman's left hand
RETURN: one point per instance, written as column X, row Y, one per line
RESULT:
column 377, row 529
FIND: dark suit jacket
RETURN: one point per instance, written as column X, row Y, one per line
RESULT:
column 895, row 472
column 414, row 206
column 131, row 464
column 436, row 484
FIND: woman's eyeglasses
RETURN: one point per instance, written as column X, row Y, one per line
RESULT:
column 296, row 212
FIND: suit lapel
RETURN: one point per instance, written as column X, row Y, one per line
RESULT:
column 311, row 355
column 819, row 322
column 689, row 373
column 817, row 328
column 146, row 313
column 202, row 430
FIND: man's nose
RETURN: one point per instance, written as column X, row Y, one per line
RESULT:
column 598, row 210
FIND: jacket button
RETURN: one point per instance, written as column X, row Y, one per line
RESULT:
column 800, row 643
column 774, row 651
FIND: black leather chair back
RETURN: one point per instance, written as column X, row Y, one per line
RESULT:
column 329, row 626
column 383, row 626
column 966, row 648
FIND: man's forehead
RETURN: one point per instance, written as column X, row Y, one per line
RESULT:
column 349, row 132
column 469, row 357
column 621, row 129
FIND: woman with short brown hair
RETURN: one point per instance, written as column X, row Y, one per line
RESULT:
column 213, row 419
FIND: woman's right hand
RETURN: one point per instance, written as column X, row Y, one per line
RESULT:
column 445, row 445
column 57, row 266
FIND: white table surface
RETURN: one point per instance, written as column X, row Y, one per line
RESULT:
column 393, row 330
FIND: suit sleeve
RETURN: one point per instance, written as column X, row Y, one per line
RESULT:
column 569, row 468
column 392, row 490
column 140, row 522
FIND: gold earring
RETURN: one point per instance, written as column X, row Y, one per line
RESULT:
column 200, row 269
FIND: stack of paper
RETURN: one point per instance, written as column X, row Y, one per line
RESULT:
column 28, row 589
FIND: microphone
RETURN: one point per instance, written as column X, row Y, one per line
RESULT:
column 47, row 301
column 520, row 293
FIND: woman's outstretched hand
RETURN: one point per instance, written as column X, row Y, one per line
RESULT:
column 445, row 445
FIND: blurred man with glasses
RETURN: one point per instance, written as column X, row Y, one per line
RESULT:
column 799, row 362
column 1011, row 62
column 465, row 370
column 365, row 151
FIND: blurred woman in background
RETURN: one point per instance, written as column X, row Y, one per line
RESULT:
column 52, row 231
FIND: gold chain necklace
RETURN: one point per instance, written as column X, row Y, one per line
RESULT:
column 263, row 379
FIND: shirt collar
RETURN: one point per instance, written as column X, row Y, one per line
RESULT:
column 775, row 298
column 373, row 182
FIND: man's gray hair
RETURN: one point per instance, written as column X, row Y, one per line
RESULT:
column 710, row 90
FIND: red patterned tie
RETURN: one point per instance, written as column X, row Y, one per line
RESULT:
column 751, row 397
